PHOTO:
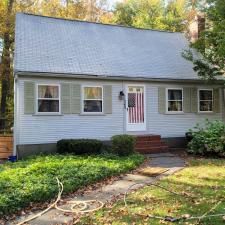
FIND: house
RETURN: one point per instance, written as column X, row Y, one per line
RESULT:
column 76, row 79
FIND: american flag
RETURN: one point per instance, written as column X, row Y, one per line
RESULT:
column 136, row 107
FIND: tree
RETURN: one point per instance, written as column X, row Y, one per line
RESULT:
column 8, row 8
column 124, row 14
column 211, row 43
column 89, row 10
column 175, row 16
column 6, row 62
column 150, row 15
column 153, row 14
column 142, row 13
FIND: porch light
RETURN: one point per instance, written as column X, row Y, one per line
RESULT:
column 121, row 95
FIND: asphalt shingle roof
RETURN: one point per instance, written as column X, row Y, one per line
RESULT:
column 52, row 45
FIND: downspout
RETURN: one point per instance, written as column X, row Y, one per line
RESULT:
column 15, row 116
column 124, row 108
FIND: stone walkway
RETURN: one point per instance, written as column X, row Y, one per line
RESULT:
column 168, row 161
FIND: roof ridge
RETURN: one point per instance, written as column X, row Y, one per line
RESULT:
column 99, row 23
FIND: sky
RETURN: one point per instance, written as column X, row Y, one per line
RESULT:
column 113, row 2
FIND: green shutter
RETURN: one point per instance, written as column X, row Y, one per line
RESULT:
column 194, row 100
column 162, row 100
column 29, row 97
column 216, row 100
column 65, row 98
column 107, row 98
column 187, row 99
column 75, row 98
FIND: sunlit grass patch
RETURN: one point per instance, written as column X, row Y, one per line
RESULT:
column 201, row 185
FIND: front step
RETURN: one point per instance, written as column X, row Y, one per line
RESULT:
column 150, row 143
column 147, row 144
column 150, row 137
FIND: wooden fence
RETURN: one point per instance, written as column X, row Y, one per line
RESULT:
column 6, row 146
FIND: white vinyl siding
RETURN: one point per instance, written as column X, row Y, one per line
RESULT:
column 38, row 129
column 35, row 129
column 172, row 125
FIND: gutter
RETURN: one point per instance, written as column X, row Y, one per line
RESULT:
column 104, row 77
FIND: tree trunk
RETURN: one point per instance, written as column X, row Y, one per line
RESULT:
column 6, row 68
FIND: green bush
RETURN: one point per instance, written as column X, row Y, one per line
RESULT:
column 79, row 146
column 34, row 179
column 208, row 139
column 123, row 145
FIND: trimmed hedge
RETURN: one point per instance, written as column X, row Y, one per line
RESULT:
column 79, row 146
column 123, row 145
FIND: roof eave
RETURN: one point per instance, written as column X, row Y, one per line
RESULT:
column 106, row 77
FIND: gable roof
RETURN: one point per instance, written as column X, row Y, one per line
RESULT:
column 59, row 46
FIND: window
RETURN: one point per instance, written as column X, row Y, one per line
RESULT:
column 175, row 100
column 205, row 100
column 48, row 98
column 92, row 99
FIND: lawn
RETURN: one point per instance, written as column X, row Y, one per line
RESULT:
column 34, row 179
column 202, row 182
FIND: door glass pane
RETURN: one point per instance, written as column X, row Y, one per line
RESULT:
column 135, row 89
column 131, row 99
column 92, row 93
column 130, row 89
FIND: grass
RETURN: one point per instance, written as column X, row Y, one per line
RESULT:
column 34, row 179
column 203, row 181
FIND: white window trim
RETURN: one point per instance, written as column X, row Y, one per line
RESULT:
column 82, row 100
column 174, row 112
column 59, row 98
column 204, row 89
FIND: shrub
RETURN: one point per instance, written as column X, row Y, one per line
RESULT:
column 208, row 139
column 79, row 146
column 123, row 144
